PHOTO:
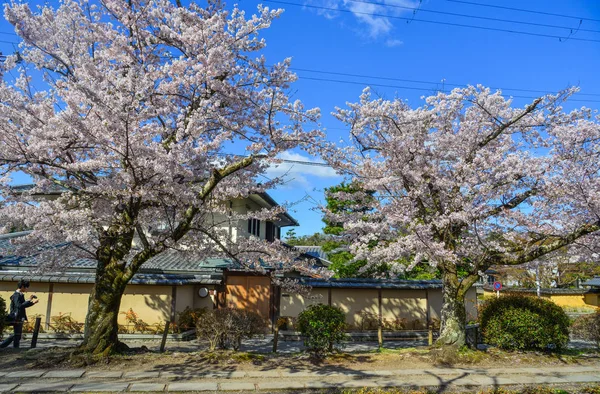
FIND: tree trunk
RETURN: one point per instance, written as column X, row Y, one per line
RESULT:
column 454, row 315
column 101, row 327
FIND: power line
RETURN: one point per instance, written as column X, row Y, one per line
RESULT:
column 433, row 22
column 414, row 88
column 425, row 82
column 523, row 10
column 474, row 16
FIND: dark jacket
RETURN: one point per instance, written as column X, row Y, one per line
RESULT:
column 18, row 305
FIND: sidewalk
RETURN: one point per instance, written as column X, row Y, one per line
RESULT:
column 268, row 380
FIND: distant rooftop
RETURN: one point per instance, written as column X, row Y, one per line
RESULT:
column 594, row 282
column 263, row 199
column 314, row 251
column 368, row 283
column 168, row 261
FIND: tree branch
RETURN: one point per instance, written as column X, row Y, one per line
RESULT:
column 510, row 204
column 545, row 247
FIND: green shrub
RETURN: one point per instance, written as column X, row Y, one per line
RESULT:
column 226, row 327
column 587, row 327
column 322, row 326
column 517, row 322
column 3, row 314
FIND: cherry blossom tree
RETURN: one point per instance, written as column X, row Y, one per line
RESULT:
column 130, row 108
column 468, row 181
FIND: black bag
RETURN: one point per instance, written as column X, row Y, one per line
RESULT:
column 10, row 319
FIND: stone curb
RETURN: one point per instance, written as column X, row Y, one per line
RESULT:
column 136, row 375
column 464, row 379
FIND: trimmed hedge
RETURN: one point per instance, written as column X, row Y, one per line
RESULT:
column 3, row 315
column 516, row 322
column 322, row 326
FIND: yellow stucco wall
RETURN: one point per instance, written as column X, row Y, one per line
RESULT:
column 410, row 306
column 355, row 301
column 151, row 303
column 293, row 304
column 563, row 300
column 575, row 300
column 184, row 297
column 592, row 300
column 71, row 298
column 435, row 304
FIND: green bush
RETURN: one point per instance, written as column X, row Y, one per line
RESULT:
column 226, row 327
column 587, row 327
column 515, row 322
column 3, row 314
column 322, row 326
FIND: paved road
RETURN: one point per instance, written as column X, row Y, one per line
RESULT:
column 218, row 381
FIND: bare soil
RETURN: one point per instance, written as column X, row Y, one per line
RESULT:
column 140, row 359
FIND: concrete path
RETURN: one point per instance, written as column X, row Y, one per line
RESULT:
column 301, row 380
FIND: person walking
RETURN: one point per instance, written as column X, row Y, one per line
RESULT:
column 17, row 314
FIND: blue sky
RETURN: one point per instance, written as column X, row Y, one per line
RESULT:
column 354, row 43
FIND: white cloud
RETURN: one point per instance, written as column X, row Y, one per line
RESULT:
column 373, row 26
column 376, row 25
column 296, row 173
column 329, row 14
column 393, row 43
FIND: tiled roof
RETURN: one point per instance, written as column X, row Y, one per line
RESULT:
column 89, row 276
column 314, row 251
column 359, row 283
column 595, row 282
column 552, row 290
column 169, row 261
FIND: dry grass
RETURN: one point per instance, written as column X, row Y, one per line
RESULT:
column 573, row 389
column 385, row 359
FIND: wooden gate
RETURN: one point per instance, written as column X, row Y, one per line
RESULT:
column 252, row 293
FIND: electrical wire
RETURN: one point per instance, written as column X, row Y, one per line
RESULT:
column 434, row 22
column 473, row 16
column 523, row 10
column 414, row 88
column 426, row 82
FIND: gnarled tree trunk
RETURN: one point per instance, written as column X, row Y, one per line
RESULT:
column 101, row 327
column 112, row 275
column 454, row 315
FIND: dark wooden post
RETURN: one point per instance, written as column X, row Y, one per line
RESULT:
column 380, row 325
column 164, row 337
column 49, row 306
column 36, row 330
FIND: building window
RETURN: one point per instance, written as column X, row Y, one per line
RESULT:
column 254, row 227
column 269, row 231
